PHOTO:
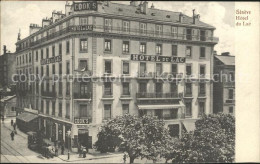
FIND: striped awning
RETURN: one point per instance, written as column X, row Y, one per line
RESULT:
column 165, row 106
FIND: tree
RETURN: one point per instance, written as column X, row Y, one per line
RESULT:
column 143, row 137
column 213, row 140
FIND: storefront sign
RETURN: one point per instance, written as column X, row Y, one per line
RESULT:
column 91, row 5
column 82, row 126
column 51, row 60
column 81, row 121
column 153, row 58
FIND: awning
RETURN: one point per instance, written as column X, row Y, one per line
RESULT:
column 27, row 117
column 166, row 106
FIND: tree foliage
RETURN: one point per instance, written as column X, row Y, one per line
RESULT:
column 213, row 140
column 143, row 137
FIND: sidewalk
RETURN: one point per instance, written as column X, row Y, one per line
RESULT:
column 75, row 157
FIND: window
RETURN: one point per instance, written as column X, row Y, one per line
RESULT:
column 53, row 69
column 84, row 45
column 47, row 53
column 201, row 108
column 174, row 50
column 30, row 58
column 26, row 58
column 41, row 53
column 231, row 109
column 37, row 71
column 83, row 110
column 142, row 69
column 188, row 51
column 232, row 76
column 108, row 67
column 47, row 107
column 67, row 88
column 47, row 86
column 37, row 104
column 42, row 106
column 36, row 56
column 20, row 60
column 23, row 59
column 158, row 113
column 83, row 89
column 158, row 69
column 83, row 65
column 125, row 46
column 107, row 111
column 174, row 88
column 60, row 68
column 83, row 21
column 68, row 47
column 158, row 29
column 142, row 87
column 42, row 87
column 47, row 70
column 230, row 94
column 108, row 25
column 60, row 110
column 126, row 68
column 158, row 49
column 202, row 35
column 174, row 69
column 53, row 50
column 188, row 69
column 60, row 88
column 42, row 71
column 188, row 88
column 67, row 115
column 126, row 26
column 143, row 48
column 188, row 34
column 53, row 88
column 107, row 88
column 53, row 108
column 202, row 70
column 126, row 90
column 202, row 52
column 174, row 31
column 125, row 108
column 68, row 67
column 142, row 28
column 37, row 87
column 60, row 49
column 202, row 89
column 108, row 45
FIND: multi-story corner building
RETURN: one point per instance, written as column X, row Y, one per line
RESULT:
column 111, row 57
column 224, row 84
column 7, row 68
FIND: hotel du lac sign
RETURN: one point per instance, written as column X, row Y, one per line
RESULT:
column 155, row 58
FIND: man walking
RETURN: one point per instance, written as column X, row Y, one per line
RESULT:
column 12, row 135
column 14, row 125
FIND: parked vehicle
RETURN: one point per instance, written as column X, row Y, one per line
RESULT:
column 32, row 141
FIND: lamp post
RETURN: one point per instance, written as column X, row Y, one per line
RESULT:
column 68, row 133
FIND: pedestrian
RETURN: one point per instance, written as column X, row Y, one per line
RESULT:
column 12, row 135
column 12, row 122
column 84, row 152
column 14, row 125
column 56, row 150
column 124, row 158
column 62, row 149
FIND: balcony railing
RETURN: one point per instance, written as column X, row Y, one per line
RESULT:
column 121, row 30
column 82, row 96
column 49, row 94
column 157, row 95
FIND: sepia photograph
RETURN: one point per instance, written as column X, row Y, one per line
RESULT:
column 129, row 81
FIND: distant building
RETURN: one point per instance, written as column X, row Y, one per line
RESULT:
column 7, row 68
column 224, row 85
column 7, row 106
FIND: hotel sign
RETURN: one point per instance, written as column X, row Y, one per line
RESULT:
column 81, row 120
column 89, row 5
column 153, row 58
column 51, row 60
column 83, row 28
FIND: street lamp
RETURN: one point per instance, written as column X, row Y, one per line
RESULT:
column 68, row 133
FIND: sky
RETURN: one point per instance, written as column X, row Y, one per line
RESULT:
column 17, row 15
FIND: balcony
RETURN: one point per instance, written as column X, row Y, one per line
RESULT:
column 159, row 95
column 82, row 96
column 49, row 94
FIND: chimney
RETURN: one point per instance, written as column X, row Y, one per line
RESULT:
column 67, row 9
column 195, row 17
column 133, row 3
column 181, row 18
column 4, row 49
column 152, row 7
column 33, row 28
column 45, row 22
column 145, row 7
column 225, row 54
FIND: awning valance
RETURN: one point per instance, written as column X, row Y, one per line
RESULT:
column 27, row 117
column 165, row 106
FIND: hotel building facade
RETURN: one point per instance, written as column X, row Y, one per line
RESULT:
column 116, row 59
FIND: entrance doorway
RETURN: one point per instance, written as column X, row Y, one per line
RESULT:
column 83, row 137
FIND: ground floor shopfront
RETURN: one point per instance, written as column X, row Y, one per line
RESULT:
column 57, row 130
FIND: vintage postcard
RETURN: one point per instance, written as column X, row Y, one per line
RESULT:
column 129, row 82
